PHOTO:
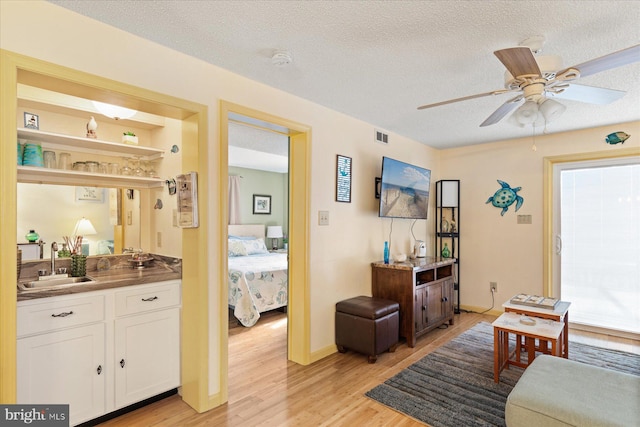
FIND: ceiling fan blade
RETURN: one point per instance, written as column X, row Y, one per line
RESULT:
column 519, row 61
column 590, row 94
column 503, row 110
column 607, row 62
column 464, row 98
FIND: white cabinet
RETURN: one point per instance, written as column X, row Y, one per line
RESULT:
column 57, row 141
column 99, row 351
column 147, row 349
column 64, row 366
column 147, row 346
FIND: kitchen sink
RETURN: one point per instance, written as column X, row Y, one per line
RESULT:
column 56, row 283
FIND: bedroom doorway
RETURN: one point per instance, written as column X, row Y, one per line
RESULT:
column 295, row 215
column 258, row 162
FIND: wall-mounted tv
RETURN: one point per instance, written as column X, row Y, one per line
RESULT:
column 404, row 190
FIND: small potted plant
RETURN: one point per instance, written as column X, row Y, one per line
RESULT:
column 129, row 138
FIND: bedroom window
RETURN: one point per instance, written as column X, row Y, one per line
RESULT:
column 597, row 232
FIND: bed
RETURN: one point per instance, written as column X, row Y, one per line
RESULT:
column 258, row 279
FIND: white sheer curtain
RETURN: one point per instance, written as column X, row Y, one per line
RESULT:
column 234, row 199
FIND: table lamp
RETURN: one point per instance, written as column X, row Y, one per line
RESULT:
column 84, row 228
column 274, row 232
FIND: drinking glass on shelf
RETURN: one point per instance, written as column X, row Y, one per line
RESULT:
column 126, row 170
column 64, row 161
column 151, row 172
column 114, row 169
column 138, row 171
column 49, row 159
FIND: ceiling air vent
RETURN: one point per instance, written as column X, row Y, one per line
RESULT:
column 382, row 137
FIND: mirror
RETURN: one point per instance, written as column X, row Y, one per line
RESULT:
column 53, row 211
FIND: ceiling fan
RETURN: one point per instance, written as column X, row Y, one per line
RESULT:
column 538, row 78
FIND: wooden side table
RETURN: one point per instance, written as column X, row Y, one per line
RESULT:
column 560, row 314
column 544, row 329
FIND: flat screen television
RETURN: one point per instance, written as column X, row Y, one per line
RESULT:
column 404, row 190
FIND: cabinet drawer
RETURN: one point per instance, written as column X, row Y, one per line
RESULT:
column 53, row 315
column 147, row 298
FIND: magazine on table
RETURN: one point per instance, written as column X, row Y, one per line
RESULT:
column 535, row 301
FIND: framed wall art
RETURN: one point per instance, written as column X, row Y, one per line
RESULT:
column 90, row 194
column 261, row 204
column 31, row 121
column 343, row 179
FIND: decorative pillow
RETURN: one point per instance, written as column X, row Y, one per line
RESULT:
column 241, row 237
column 236, row 248
column 254, row 246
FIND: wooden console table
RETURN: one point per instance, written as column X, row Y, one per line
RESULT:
column 424, row 289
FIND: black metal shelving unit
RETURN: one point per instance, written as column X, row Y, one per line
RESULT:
column 448, row 216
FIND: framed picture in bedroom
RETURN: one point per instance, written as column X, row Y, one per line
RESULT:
column 261, row 204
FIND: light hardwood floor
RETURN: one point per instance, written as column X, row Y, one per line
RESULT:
column 267, row 390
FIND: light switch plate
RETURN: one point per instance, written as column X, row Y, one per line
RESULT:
column 323, row 217
column 524, row 219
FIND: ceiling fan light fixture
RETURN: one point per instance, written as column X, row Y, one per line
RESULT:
column 551, row 109
column 527, row 113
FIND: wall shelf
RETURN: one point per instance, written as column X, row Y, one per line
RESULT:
column 69, row 177
column 89, row 145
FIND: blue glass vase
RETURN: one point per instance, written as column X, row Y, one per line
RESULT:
column 386, row 252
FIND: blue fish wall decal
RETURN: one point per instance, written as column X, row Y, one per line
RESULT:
column 617, row 138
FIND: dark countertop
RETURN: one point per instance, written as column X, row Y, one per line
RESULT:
column 118, row 274
column 417, row 263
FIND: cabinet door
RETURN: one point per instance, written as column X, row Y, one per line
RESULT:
column 421, row 310
column 64, row 367
column 147, row 355
column 447, row 293
column 434, row 303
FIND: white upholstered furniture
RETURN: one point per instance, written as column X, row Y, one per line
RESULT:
column 559, row 392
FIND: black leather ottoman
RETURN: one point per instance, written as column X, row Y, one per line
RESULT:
column 367, row 325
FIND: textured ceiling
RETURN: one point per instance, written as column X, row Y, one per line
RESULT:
column 378, row 60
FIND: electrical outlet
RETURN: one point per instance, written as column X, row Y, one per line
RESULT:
column 493, row 287
column 159, row 239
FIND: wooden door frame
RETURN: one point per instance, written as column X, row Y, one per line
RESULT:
column 195, row 252
column 298, row 330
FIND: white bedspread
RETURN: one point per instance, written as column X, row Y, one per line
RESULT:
column 257, row 283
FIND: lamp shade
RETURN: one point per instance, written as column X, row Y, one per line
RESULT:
column 274, row 232
column 84, row 228
column 551, row 110
column 527, row 113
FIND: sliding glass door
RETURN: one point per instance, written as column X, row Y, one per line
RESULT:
column 597, row 247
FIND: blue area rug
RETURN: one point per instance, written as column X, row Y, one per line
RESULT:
column 453, row 386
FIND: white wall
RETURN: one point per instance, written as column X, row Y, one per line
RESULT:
column 494, row 247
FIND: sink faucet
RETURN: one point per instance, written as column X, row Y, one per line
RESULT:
column 54, row 249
